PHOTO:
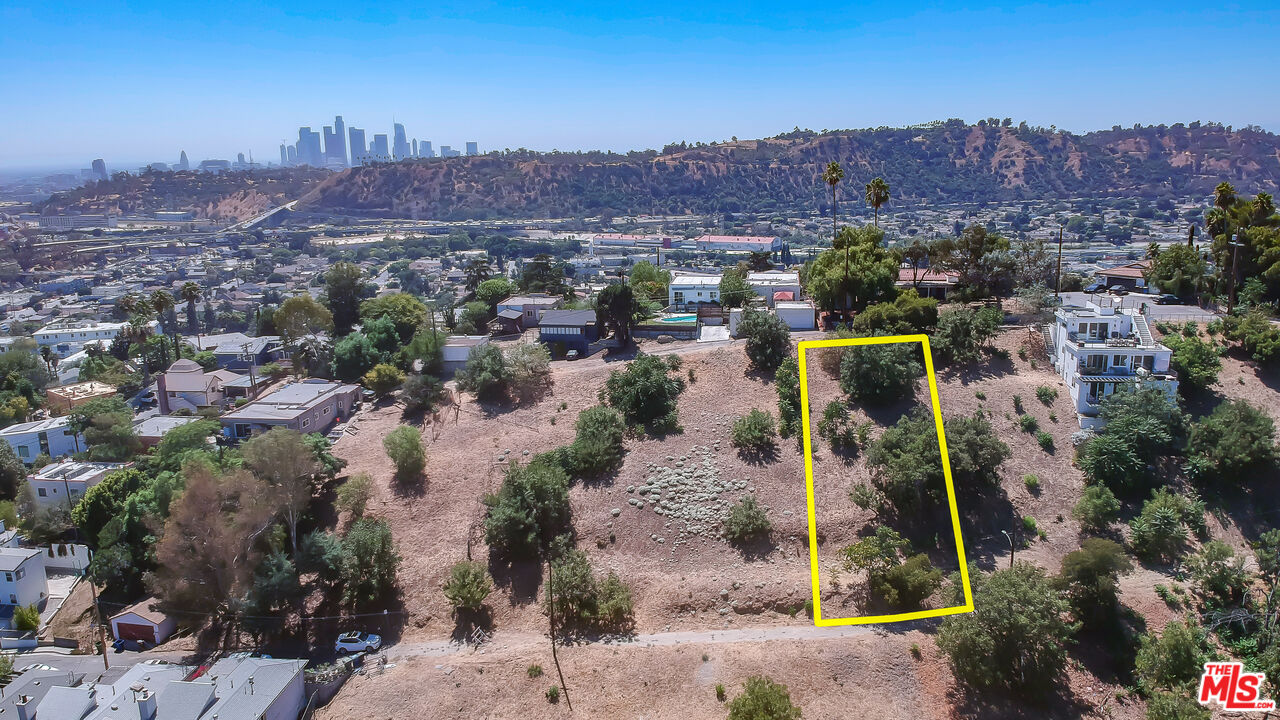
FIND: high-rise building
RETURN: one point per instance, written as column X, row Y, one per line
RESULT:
column 448, row 152
column 400, row 146
column 358, row 150
column 330, row 143
column 415, row 148
column 340, row 137
column 99, row 168
column 309, row 152
column 284, row 155
column 424, row 149
column 473, row 149
column 293, row 154
column 182, row 161
column 379, row 150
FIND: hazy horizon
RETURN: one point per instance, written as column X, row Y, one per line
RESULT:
column 138, row 85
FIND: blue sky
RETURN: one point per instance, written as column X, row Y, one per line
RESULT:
column 139, row 81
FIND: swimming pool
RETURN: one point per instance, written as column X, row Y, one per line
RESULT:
column 679, row 319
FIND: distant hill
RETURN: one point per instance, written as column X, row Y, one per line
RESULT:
column 939, row 162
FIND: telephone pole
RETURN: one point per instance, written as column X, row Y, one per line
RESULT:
column 1235, row 254
column 1057, row 286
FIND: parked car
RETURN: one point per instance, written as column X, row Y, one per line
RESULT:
column 1168, row 299
column 1095, row 288
column 1119, row 290
column 571, row 355
column 357, row 641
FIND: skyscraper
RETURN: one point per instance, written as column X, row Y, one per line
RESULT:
column 358, row 151
column 400, row 147
column 182, row 161
column 99, row 167
column 309, row 147
column 284, row 155
column 340, row 137
column 293, row 154
column 424, row 149
column 379, row 150
column 415, row 148
column 473, row 149
column 330, row 143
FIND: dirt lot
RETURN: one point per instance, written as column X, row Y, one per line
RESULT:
column 693, row 580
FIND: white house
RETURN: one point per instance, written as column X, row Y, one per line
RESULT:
column 1098, row 350
column 798, row 314
column 775, row 285
column 687, row 288
column 22, row 579
column 54, row 484
column 457, row 348
column 53, row 437
column 70, row 336
column 738, row 243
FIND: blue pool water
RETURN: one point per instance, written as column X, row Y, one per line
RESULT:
column 680, row 319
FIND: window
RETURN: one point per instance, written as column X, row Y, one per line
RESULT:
column 24, row 451
column 20, row 573
column 42, row 492
column 1118, row 360
column 8, row 577
column 327, row 409
column 306, row 423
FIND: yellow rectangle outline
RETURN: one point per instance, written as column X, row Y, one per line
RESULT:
column 946, row 471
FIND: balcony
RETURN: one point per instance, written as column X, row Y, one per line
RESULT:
column 1115, row 341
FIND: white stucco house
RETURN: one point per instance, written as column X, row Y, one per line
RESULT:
column 687, row 288
column 22, row 578
column 52, row 437
column 1099, row 349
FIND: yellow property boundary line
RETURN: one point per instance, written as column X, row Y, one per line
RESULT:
column 946, row 471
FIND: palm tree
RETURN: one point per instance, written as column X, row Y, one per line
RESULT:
column 1224, row 196
column 877, row 195
column 832, row 176
column 477, row 271
column 162, row 301
column 191, row 293
column 46, row 354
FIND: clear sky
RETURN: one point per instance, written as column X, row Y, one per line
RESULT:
column 138, row 81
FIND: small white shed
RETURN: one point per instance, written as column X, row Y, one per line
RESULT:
column 797, row 314
column 140, row 622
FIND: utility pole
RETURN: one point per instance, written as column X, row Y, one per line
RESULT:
column 1009, row 537
column 551, row 612
column 1235, row 254
column 1057, row 286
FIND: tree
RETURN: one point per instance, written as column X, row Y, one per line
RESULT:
column 597, row 447
column 494, row 290
column 982, row 260
column 1178, row 270
column 787, row 382
column 832, row 176
column 1112, row 461
column 746, row 521
column 183, row 443
column 26, row 618
column 353, row 356
column 426, row 347
column 1195, row 361
column 874, row 555
column 404, row 447
column 162, row 303
column 962, row 333
column 313, row 356
column 1096, row 509
column 616, row 310
column 344, row 288
column 530, row 509
column 104, row 501
column 768, row 339
column 1235, row 441
column 353, row 495
column 281, row 459
column 468, row 586
column 1015, row 637
column 369, row 562
column 734, row 288
column 190, row 293
column 1219, row 574
column 1090, row 578
column 881, row 373
column 582, row 599
column 1173, row 659
column 383, row 379
column 763, row 699
column 301, row 316
column 406, row 312
column 477, row 271
column 107, row 426
column 908, row 313
column 12, row 472
column 1160, row 530
column 877, row 195
column 856, row 273
column 645, row 392
column 420, row 392
column 485, row 373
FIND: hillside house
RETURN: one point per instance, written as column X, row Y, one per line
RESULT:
column 69, row 397
column 775, row 285
column 22, row 580
column 530, row 306
column 310, row 406
column 1131, row 276
column 52, row 437
column 239, row 352
column 1098, row 350
column 186, row 386
column 457, row 348
column 64, row 483
column 690, row 289
column 928, row 283
column 565, row 330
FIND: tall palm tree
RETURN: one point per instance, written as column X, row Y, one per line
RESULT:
column 477, row 271
column 832, row 176
column 877, row 195
column 1224, row 196
column 46, row 354
column 190, row 293
column 162, row 302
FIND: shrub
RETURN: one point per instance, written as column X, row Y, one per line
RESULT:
column 1220, row 576
column 1031, row 481
column 1018, row 407
column 382, row 379
column 420, row 392
column 404, row 447
column 787, row 382
column 530, row 508
column 746, row 521
column 26, row 618
column 907, row 464
column 908, row 313
column 534, row 671
column 1046, row 394
column 353, row 495
column 763, row 699
column 1096, row 509
column 486, row 373
column 754, row 432
column 720, row 694
column 880, row 374
column 1256, row 335
column 369, row 562
column 468, row 586
column 836, row 428
column 1090, row 578
column 1045, row 440
column 529, row 365
column 962, row 333
column 1234, row 442
column 1016, row 636
column 1029, row 523
column 1160, row 530
column 584, row 601
column 907, row 585
column 597, row 447
column 645, row 392
column 1172, row 659
column 553, row 694
column 1113, row 461
column 1196, row 361
column 1028, row 423
column 768, row 339
column 1175, row 706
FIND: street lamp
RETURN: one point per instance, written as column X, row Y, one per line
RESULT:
column 1235, row 253
column 1009, row 537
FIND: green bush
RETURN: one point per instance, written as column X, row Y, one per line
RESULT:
column 597, row 447
column 1090, row 578
column 645, row 392
column 530, row 509
column 534, row 671
column 1045, row 440
column 1256, row 335
column 1031, row 482
column 1112, row 460
column 754, row 432
column 420, row 392
column 1160, row 530
column 583, row 601
column 720, row 694
column 836, row 427
column 1173, row 659
column 1219, row 574
column 1196, row 361
column 1096, row 509
column 404, row 447
column 763, row 699
column 553, row 694
column 486, row 373
column 907, row 585
column 369, row 562
column 908, row 313
column 1234, row 443
column 468, row 586
column 962, row 333
column 880, row 374
column 906, row 463
column 768, row 339
column 1176, row 706
column 1046, row 394
column 26, row 618
column 746, row 521
column 353, row 495
column 787, row 382
column 382, row 379
column 1028, row 424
